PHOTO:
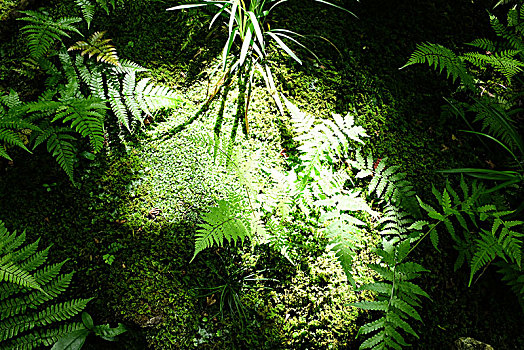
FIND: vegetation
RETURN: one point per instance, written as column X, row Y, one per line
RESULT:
column 365, row 206
column 28, row 287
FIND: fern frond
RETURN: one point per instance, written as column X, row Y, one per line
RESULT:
column 43, row 31
column 46, row 337
column 397, row 298
column 86, row 117
column 344, row 239
column 395, row 221
column 12, row 113
column 322, row 141
column 497, row 121
column 514, row 39
column 222, row 224
column 24, row 296
column 440, row 58
column 60, row 145
column 484, row 44
column 514, row 277
column 9, row 272
column 88, row 10
column 99, row 47
column 15, row 306
column 108, row 4
column 502, row 62
column 387, row 183
column 486, row 249
column 151, row 97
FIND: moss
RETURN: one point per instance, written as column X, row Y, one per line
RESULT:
column 150, row 286
column 7, row 7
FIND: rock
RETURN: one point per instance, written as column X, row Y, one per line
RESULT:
column 466, row 343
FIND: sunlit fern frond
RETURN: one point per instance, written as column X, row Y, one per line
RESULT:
column 99, row 47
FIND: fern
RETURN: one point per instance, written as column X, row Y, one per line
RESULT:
column 345, row 239
column 495, row 236
column 88, row 10
column 396, row 222
column 25, row 312
column 99, row 47
column 43, row 31
column 60, row 144
column 502, row 61
column 397, row 298
column 234, row 219
column 321, row 186
column 440, row 58
column 387, row 182
column 69, row 78
column 12, row 112
column 323, row 142
column 514, row 39
column 497, row 121
column 506, row 244
column 128, row 98
column 107, row 5
column 223, row 223
column 85, row 115
column 513, row 275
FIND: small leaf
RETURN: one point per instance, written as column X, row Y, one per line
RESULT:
column 72, row 341
column 87, row 320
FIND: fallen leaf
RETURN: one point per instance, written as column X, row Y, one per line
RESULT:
column 211, row 300
column 490, row 164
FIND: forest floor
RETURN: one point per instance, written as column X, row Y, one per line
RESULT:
column 128, row 228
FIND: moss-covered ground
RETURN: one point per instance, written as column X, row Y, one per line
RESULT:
column 138, row 203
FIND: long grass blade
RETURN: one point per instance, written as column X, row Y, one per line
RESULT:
column 338, row 7
column 503, row 120
column 284, row 46
column 245, row 46
column 187, row 6
column 221, row 11
column 258, row 31
column 497, row 141
column 281, row 31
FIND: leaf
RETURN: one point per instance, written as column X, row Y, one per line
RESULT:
column 72, row 341
column 87, row 320
column 99, row 47
column 371, row 305
column 108, row 333
column 284, row 46
column 258, row 31
column 246, row 44
column 221, row 224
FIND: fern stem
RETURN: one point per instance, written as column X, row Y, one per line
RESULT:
column 392, row 287
column 426, row 234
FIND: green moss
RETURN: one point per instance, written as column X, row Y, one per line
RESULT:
column 6, row 7
column 150, row 286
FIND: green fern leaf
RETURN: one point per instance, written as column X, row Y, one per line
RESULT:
column 10, row 272
column 440, row 58
column 59, row 144
column 88, row 10
column 43, row 31
column 23, row 294
column 221, row 224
